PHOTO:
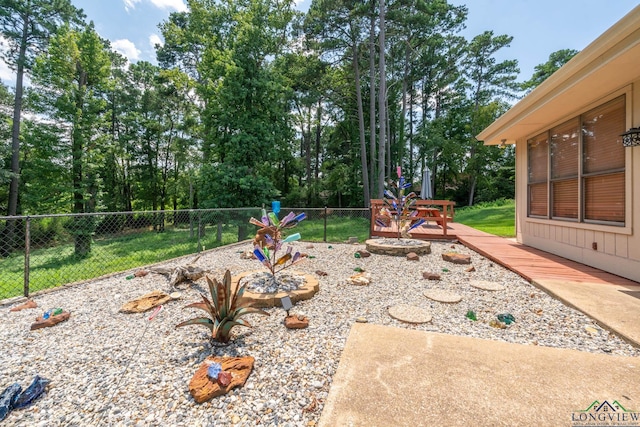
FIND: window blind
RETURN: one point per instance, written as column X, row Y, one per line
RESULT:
column 601, row 129
column 565, row 198
column 564, row 150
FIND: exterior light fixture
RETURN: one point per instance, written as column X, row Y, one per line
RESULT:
column 631, row 138
column 503, row 143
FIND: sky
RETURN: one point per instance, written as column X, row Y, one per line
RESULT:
column 538, row 27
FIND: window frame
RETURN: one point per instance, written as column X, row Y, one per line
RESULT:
column 580, row 221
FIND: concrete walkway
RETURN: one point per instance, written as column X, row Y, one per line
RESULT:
column 399, row 377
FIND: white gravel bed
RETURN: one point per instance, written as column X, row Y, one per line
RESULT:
column 113, row 369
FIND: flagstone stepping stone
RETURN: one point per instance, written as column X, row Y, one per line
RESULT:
column 430, row 276
column 28, row 304
column 456, row 258
column 591, row 330
column 412, row 256
column 409, row 314
column 41, row 322
column 296, row 321
column 360, row 279
column 486, row 285
column 145, row 302
column 204, row 388
column 441, row 295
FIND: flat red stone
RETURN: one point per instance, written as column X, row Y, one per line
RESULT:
column 28, row 304
column 203, row 388
column 51, row 321
column 296, row 322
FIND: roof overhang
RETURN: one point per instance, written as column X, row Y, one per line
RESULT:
column 610, row 63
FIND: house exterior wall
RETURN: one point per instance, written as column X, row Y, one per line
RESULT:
column 609, row 248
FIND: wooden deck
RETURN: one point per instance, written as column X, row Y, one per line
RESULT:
column 427, row 231
column 530, row 263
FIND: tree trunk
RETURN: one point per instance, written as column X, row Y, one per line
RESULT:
column 472, row 189
column 382, row 109
column 307, row 156
column 401, row 144
column 411, row 164
column 14, row 184
column 372, row 100
column 242, row 232
column 316, row 166
column 363, row 143
column 83, row 225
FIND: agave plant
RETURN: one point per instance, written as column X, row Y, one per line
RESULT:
column 225, row 308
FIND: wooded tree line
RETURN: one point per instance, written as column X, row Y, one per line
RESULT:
column 252, row 101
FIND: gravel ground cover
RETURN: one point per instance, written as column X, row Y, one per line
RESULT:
column 114, row 369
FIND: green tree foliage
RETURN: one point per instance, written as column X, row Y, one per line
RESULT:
column 424, row 51
column 490, row 84
column 6, row 99
column 251, row 101
column 73, row 78
column 246, row 115
column 543, row 71
column 337, row 28
column 26, row 26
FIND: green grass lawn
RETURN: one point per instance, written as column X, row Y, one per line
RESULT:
column 51, row 267
column 496, row 218
column 338, row 229
column 55, row 266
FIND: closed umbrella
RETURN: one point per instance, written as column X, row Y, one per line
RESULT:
column 425, row 190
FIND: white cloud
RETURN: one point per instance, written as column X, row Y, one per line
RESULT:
column 155, row 39
column 130, row 4
column 127, row 48
column 177, row 5
column 7, row 76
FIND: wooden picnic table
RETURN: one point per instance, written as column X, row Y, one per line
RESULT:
column 427, row 209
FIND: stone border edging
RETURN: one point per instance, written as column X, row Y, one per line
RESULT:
column 375, row 246
column 266, row 300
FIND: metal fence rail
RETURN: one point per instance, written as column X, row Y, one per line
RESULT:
column 44, row 251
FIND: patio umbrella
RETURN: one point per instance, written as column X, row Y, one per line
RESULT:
column 425, row 190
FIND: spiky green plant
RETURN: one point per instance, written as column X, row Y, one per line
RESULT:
column 225, row 308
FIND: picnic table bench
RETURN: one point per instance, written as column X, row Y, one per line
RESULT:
column 426, row 209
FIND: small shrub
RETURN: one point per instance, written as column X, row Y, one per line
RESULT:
column 225, row 309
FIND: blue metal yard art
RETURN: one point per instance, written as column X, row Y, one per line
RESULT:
column 269, row 242
column 398, row 207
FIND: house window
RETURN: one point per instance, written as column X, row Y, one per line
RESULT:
column 576, row 170
column 603, row 170
column 564, row 169
column 538, row 175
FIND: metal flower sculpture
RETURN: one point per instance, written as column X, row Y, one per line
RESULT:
column 268, row 242
column 398, row 207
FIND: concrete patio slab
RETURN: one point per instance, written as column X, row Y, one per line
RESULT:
column 613, row 306
column 399, row 377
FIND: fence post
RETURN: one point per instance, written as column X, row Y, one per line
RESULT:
column 191, row 223
column 27, row 253
column 325, row 224
column 199, row 231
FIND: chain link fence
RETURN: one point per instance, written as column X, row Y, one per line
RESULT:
column 45, row 251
